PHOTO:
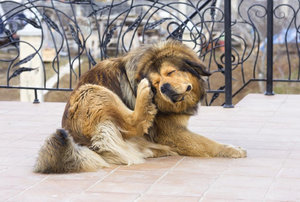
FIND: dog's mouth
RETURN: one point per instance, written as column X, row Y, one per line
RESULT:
column 172, row 95
column 176, row 97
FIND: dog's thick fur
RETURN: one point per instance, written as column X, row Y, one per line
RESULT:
column 130, row 108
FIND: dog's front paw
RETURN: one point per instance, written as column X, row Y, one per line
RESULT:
column 144, row 98
column 145, row 109
column 144, row 90
column 230, row 151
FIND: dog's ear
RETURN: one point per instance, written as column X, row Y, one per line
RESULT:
column 199, row 67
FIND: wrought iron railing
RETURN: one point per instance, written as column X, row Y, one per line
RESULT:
column 58, row 40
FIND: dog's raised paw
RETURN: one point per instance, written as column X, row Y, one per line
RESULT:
column 145, row 108
column 144, row 89
column 144, row 83
column 144, row 97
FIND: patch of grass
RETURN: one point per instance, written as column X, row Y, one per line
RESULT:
column 287, row 88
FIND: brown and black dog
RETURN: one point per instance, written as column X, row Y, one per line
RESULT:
column 130, row 108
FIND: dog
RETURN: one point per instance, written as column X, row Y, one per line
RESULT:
column 130, row 108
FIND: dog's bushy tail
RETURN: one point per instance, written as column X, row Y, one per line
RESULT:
column 60, row 154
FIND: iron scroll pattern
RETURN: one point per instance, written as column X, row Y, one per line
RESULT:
column 254, row 52
column 78, row 34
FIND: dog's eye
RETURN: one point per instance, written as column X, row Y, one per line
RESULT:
column 155, row 82
column 171, row 72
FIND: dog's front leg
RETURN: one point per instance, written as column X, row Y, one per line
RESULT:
column 144, row 111
column 172, row 131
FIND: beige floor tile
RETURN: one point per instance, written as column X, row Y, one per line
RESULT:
column 43, row 196
column 104, row 197
column 138, row 176
column 229, row 193
column 184, row 177
column 7, row 193
column 293, row 173
column 251, row 171
column 120, row 187
column 267, row 126
column 155, row 164
column 18, row 182
column 291, row 163
column 267, row 153
column 283, row 195
column 215, row 199
column 181, row 189
column 294, row 155
column 284, row 189
column 161, row 198
column 245, row 182
column 204, row 166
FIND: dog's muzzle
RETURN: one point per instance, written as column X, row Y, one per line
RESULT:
column 167, row 90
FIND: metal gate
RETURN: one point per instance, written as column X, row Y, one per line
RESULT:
column 47, row 45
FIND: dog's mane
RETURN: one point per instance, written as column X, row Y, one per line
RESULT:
column 149, row 57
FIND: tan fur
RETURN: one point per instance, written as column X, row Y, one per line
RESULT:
column 130, row 108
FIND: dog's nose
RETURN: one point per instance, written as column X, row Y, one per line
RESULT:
column 189, row 88
column 165, row 87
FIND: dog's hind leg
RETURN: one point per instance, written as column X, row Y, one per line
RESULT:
column 99, row 104
column 110, row 145
column 151, row 149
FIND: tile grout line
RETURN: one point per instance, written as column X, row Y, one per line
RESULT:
column 162, row 176
column 276, row 176
column 260, row 129
column 281, row 104
column 281, row 167
column 28, row 188
column 269, row 119
column 220, row 175
column 101, row 179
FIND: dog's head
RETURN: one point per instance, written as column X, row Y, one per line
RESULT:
column 174, row 72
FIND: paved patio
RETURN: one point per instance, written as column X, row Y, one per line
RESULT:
column 267, row 126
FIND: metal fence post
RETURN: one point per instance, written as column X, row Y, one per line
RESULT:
column 269, row 85
column 228, row 64
column 36, row 99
